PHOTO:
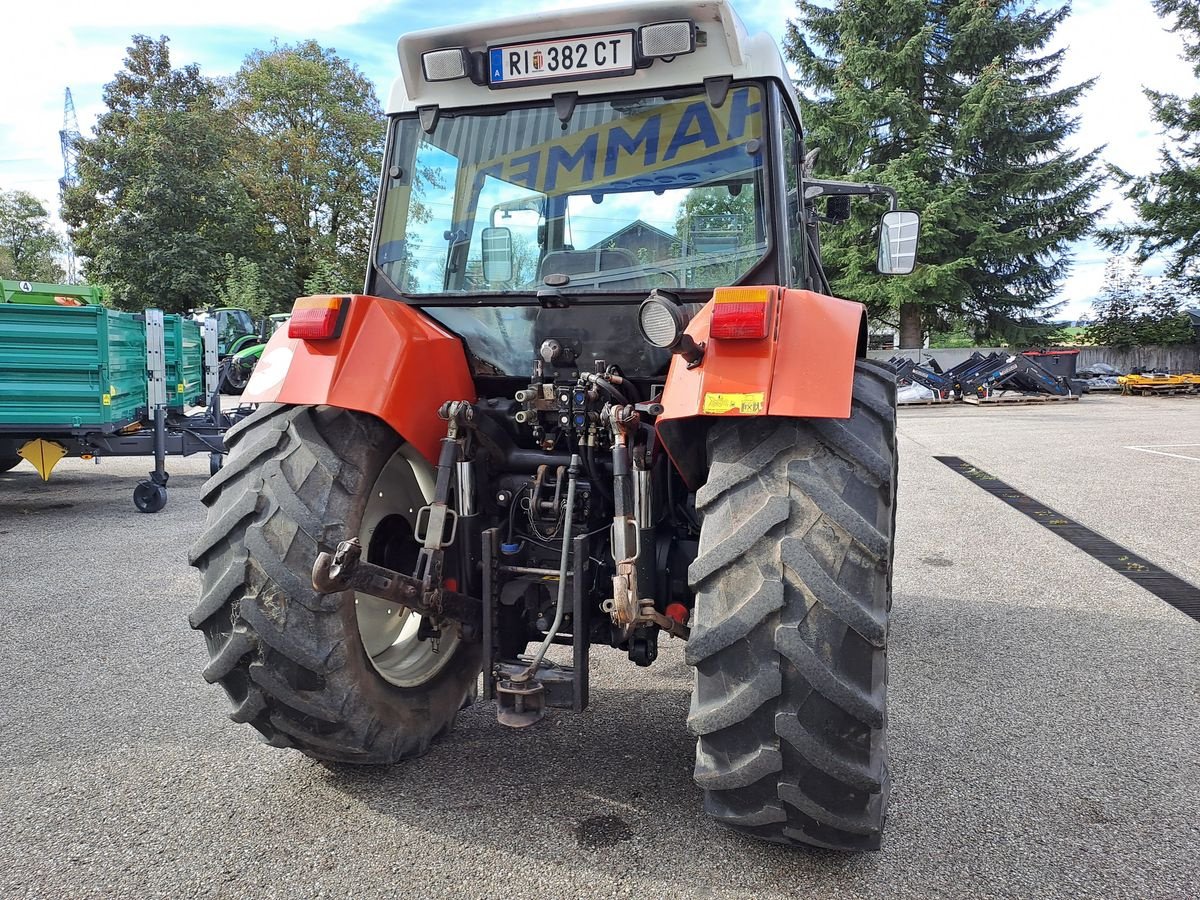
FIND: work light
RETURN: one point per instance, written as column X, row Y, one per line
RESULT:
column 445, row 65
column 667, row 39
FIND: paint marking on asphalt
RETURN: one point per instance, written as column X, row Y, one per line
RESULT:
column 1172, row 589
column 1153, row 448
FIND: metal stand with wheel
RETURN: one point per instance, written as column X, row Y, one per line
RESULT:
column 151, row 496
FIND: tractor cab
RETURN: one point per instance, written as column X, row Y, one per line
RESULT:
column 236, row 328
column 543, row 176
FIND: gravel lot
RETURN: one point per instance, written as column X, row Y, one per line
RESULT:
column 1045, row 711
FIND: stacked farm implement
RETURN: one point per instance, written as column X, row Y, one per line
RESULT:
column 982, row 379
column 919, row 385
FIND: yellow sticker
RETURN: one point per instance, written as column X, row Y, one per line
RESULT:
column 179, row 388
column 746, row 404
column 106, row 399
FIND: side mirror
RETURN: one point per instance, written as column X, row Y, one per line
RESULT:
column 898, row 232
column 497, row 248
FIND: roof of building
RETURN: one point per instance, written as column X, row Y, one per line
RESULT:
column 636, row 224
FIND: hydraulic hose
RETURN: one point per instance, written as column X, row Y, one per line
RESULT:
column 593, row 470
column 563, row 565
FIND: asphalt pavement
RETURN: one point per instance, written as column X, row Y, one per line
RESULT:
column 1044, row 718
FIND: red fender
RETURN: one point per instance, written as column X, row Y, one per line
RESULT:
column 388, row 360
column 804, row 368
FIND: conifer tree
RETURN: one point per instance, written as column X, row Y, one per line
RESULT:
column 1167, row 200
column 955, row 104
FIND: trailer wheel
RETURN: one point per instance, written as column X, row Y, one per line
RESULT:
column 789, row 640
column 9, row 462
column 149, row 497
column 341, row 677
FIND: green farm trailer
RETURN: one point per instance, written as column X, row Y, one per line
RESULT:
column 88, row 381
column 37, row 293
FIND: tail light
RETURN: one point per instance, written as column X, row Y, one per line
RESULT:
column 317, row 318
column 742, row 313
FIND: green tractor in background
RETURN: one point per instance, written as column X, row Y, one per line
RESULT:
column 240, row 340
column 237, row 369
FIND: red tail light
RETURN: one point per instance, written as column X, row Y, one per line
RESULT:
column 741, row 313
column 316, row 318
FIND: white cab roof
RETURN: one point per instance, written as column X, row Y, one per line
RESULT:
column 729, row 50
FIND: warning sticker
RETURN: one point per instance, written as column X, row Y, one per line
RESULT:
column 746, row 404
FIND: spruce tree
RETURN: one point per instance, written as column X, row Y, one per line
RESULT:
column 1167, row 201
column 954, row 104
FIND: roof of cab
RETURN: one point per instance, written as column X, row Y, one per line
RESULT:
column 730, row 50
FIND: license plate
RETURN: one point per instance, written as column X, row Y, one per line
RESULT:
column 561, row 59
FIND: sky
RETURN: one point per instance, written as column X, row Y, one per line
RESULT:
column 80, row 44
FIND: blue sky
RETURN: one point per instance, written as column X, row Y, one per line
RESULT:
column 80, row 44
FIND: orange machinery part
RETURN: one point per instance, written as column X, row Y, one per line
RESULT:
column 804, row 368
column 389, row 361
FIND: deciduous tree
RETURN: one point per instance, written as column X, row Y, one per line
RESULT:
column 157, row 206
column 28, row 242
column 309, row 154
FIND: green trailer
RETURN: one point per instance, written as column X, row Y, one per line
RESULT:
column 85, row 367
column 88, row 381
column 37, row 293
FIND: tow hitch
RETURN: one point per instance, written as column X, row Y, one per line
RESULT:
column 345, row 570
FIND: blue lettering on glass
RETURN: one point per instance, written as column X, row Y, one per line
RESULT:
column 528, row 177
column 585, row 157
column 619, row 139
column 741, row 109
column 496, row 170
column 497, row 65
column 698, row 115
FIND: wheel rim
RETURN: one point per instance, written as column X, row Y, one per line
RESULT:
column 387, row 630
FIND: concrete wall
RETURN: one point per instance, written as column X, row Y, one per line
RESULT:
column 1176, row 358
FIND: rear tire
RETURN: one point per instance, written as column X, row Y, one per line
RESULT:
column 9, row 462
column 233, row 379
column 292, row 660
column 793, row 583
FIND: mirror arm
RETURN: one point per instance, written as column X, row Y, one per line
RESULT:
column 819, row 187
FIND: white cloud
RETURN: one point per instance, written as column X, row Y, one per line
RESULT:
column 1125, row 52
column 285, row 15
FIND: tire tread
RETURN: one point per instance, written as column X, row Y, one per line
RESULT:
column 793, row 582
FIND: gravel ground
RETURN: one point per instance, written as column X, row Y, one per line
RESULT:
column 1045, row 712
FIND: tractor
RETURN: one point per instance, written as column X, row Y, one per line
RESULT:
column 237, row 368
column 596, row 393
column 236, row 331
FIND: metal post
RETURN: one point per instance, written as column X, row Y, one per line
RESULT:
column 212, row 367
column 159, row 475
column 156, row 390
column 488, row 626
column 580, row 638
